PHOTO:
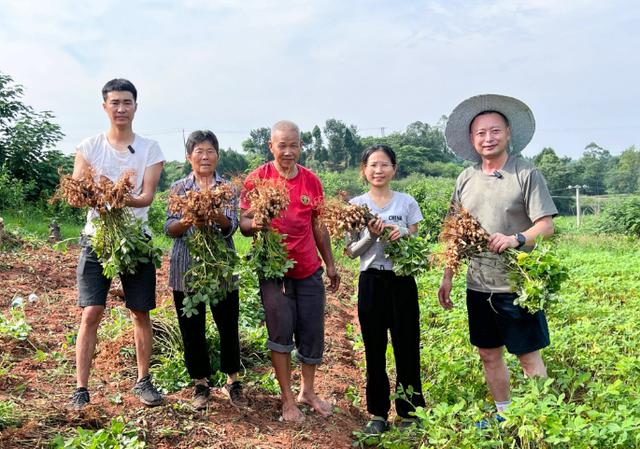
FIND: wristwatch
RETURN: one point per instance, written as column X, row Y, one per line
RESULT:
column 521, row 239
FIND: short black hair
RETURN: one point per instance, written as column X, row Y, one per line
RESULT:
column 378, row 147
column 506, row 120
column 119, row 85
column 200, row 136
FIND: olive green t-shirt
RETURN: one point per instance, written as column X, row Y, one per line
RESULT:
column 508, row 203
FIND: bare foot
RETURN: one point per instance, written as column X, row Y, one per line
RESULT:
column 317, row 404
column 291, row 413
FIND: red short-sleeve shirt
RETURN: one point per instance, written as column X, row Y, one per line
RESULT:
column 305, row 194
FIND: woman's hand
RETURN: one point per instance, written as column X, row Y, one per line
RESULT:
column 396, row 232
column 376, row 227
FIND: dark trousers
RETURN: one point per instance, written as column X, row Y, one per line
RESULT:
column 390, row 302
column 196, row 352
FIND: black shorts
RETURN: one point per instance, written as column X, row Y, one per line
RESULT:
column 93, row 287
column 495, row 321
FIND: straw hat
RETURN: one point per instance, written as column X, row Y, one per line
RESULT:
column 520, row 118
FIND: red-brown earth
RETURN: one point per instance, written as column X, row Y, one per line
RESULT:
column 39, row 373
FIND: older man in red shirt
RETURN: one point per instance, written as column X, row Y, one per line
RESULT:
column 298, row 308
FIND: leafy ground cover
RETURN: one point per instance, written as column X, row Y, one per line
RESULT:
column 591, row 399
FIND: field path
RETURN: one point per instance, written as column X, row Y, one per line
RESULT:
column 38, row 374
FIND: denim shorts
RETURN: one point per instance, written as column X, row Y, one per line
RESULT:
column 93, row 287
column 495, row 321
column 295, row 308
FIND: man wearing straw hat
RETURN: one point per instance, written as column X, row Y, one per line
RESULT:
column 510, row 199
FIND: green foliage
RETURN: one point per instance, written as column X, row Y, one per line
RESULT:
column 536, row 276
column 25, row 135
column 157, row 214
column 257, row 145
column 268, row 256
column 31, row 223
column 211, row 272
column 169, row 372
column 12, row 191
column 592, row 398
column 621, row 217
column 171, row 172
column 15, row 325
column 433, row 195
column 348, row 181
column 410, row 255
column 231, row 163
column 119, row 435
column 343, row 145
column 624, row 177
column 9, row 415
column 120, row 243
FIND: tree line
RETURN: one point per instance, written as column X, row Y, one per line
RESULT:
column 30, row 162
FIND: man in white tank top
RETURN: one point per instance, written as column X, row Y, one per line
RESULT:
column 110, row 154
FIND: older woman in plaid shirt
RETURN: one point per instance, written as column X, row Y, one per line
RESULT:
column 203, row 153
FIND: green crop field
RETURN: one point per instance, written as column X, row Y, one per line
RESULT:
column 590, row 400
column 592, row 396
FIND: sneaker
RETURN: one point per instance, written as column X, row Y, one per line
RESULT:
column 405, row 423
column 376, row 426
column 488, row 422
column 147, row 393
column 201, row 396
column 79, row 399
column 234, row 392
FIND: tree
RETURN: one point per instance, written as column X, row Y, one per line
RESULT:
column 258, row 143
column 592, row 167
column 306, row 149
column 624, row 175
column 421, row 134
column 343, row 144
column 352, row 147
column 320, row 154
column 231, row 163
column 25, row 136
column 559, row 172
column 171, row 172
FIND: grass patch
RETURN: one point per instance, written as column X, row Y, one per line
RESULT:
column 9, row 416
column 35, row 222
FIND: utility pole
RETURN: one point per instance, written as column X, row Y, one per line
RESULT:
column 577, row 187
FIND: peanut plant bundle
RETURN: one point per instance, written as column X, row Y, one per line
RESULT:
column 411, row 255
column 463, row 237
column 210, row 275
column 203, row 206
column 268, row 256
column 535, row 276
column 341, row 217
column 119, row 240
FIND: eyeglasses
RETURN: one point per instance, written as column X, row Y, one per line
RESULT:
column 381, row 165
column 117, row 104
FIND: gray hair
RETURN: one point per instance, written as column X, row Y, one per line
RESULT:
column 285, row 125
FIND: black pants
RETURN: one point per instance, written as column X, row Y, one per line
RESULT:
column 390, row 302
column 196, row 353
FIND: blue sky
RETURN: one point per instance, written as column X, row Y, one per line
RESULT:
column 233, row 66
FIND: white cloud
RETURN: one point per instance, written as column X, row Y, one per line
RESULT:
column 233, row 66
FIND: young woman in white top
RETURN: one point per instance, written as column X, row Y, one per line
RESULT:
column 387, row 302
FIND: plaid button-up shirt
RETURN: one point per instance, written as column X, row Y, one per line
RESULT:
column 180, row 259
